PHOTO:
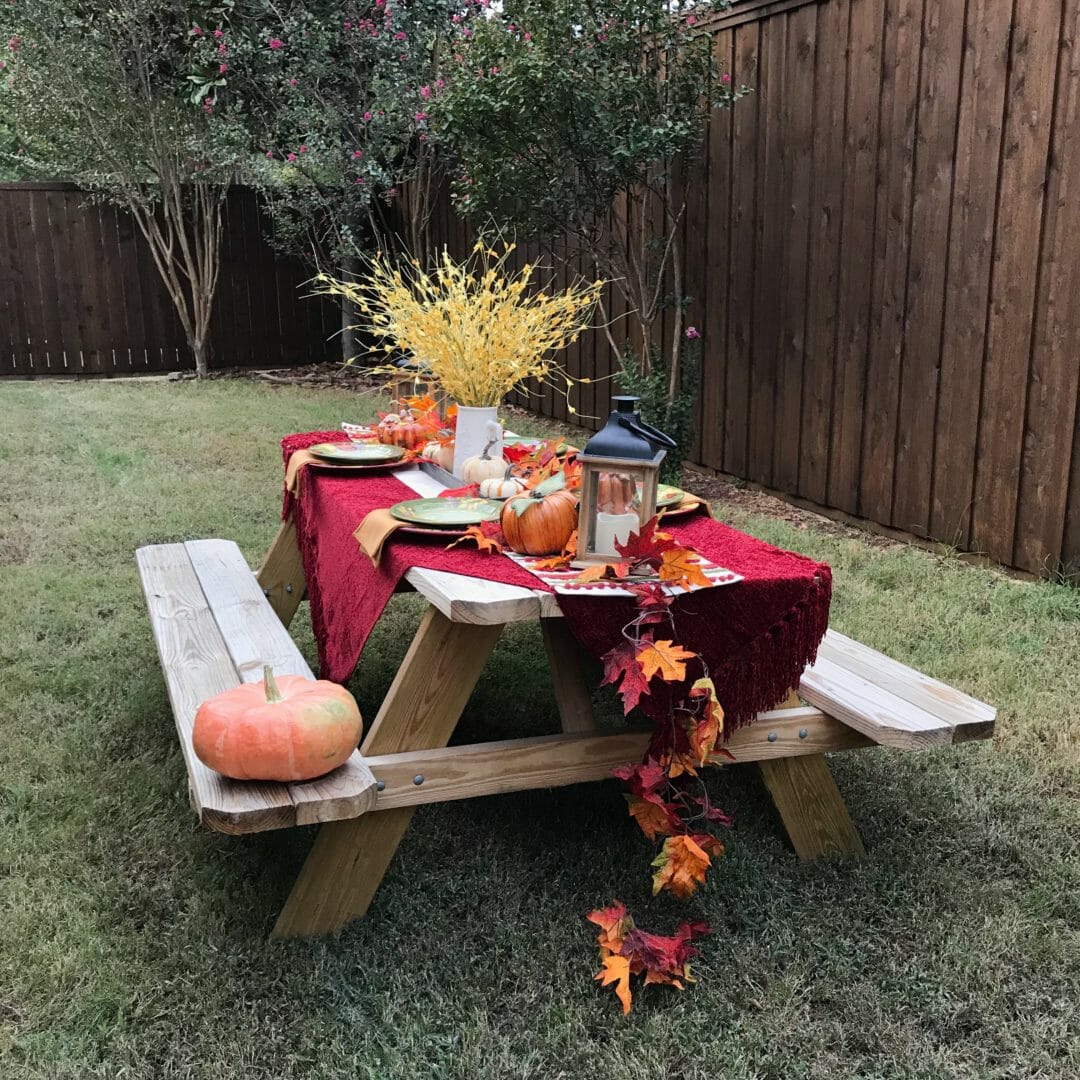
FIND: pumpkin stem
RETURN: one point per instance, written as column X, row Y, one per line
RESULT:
column 271, row 687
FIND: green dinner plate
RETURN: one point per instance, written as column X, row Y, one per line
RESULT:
column 350, row 453
column 447, row 512
column 666, row 495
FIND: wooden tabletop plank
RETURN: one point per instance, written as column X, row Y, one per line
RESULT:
column 196, row 666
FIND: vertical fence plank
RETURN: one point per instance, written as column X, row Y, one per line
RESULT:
column 742, row 265
column 798, row 140
column 857, row 242
column 771, row 243
column 967, row 266
column 823, row 271
column 896, row 166
column 935, row 152
column 1055, row 363
column 1015, row 278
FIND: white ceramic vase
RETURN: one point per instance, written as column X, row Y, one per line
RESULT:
column 476, row 427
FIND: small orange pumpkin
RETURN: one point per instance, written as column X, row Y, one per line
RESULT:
column 541, row 526
column 284, row 729
column 400, row 430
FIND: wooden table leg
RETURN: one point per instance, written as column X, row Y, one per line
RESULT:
column 420, row 712
column 281, row 576
column 810, row 804
column 572, row 695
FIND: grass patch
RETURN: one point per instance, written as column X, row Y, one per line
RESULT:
column 133, row 943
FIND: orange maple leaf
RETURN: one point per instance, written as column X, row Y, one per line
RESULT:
column 703, row 733
column 483, row 542
column 680, row 866
column 617, row 970
column 664, row 658
column 682, row 567
column 604, row 570
column 653, row 816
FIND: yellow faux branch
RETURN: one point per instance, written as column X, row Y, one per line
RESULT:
column 477, row 325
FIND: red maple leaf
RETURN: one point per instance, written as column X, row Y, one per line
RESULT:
column 642, row 779
column 621, row 663
column 652, row 602
column 646, row 545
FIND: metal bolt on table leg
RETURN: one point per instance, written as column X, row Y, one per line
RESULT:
column 803, row 733
column 772, row 736
column 418, row 779
column 266, row 593
column 380, row 785
column 288, row 588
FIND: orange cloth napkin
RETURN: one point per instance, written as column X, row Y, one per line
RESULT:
column 374, row 531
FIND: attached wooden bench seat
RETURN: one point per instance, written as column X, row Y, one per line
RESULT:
column 216, row 624
column 214, row 629
column 887, row 701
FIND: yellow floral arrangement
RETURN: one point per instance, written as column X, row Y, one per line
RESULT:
column 476, row 325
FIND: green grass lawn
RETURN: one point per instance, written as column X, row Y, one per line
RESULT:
column 134, row 944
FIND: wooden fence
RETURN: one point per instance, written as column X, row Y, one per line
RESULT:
column 79, row 293
column 883, row 251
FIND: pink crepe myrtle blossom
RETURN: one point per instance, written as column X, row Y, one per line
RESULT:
column 219, row 33
column 425, row 92
column 222, row 68
column 357, row 155
column 726, row 77
column 440, row 83
column 400, row 36
column 367, row 118
column 528, row 37
column 421, row 117
column 270, row 155
column 292, row 82
column 692, row 333
column 196, row 31
column 303, row 149
column 223, row 49
column 276, row 43
column 14, row 43
column 290, row 157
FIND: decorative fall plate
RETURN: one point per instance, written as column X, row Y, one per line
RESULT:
column 449, row 513
column 680, row 508
column 427, row 530
column 667, row 495
column 350, row 453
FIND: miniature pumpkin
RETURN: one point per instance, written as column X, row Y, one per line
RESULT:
column 483, row 467
column 441, row 453
column 401, row 430
column 541, row 526
column 501, row 487
column 287, row 729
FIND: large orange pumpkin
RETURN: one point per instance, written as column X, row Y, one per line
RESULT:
column 285, row 729
column 536, row 524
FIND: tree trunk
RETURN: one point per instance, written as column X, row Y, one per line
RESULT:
column 201, row 351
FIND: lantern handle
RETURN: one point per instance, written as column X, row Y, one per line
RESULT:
column 634, row 423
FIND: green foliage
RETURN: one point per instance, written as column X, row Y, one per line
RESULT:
column 556, row 106
column 673, row 414
column 338, row 96
column 97, row 95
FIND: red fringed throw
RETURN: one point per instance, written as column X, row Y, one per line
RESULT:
column 756, row 636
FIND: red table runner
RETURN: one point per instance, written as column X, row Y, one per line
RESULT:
column 756, row 636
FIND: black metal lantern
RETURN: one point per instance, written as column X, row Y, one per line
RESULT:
column 620, row 470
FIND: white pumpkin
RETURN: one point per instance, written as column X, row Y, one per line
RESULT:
column 482, row 467
column 441, row 453
column 501, row 487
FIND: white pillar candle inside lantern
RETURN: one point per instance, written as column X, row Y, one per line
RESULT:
column 619, row 474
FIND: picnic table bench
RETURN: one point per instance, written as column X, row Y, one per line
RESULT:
column 216, row 624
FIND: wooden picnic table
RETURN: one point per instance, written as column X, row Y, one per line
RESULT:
column 216, row 625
